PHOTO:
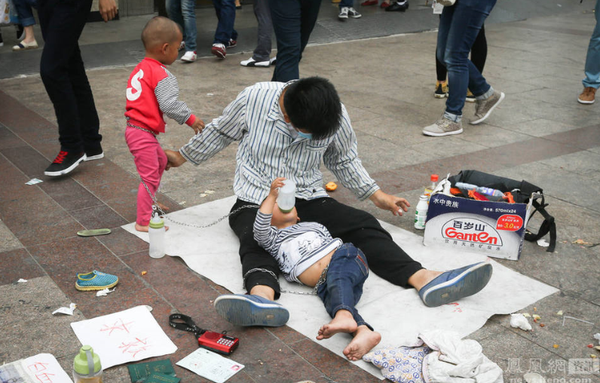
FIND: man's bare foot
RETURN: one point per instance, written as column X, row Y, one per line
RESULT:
column 342, row 322
column 144, row 229
column 364, row 340
column 422, row 277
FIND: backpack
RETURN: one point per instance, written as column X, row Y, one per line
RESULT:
column 522, row 191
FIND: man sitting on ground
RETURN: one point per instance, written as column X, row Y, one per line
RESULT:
column 287, row 129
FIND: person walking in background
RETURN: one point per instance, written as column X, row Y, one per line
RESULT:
column 478, row 57
column 66, row 83
column 459, row 26
column 293, row 22
column 225, row 35
column 591, row 82
column 25, row 12
column 183, row 12
column 262, row 53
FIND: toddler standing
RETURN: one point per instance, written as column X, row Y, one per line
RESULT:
column 152, row 92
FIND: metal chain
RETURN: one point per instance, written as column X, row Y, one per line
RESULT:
column 162, row 212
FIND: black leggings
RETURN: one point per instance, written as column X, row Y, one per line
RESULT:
column 384, row 256
column 478, row 56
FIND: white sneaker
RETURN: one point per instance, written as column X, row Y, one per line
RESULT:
column 443, row 127
column 252, row 63
column 343, row 13
column 189, row 57
column 354, row 13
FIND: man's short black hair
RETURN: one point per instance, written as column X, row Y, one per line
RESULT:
column 313, row 104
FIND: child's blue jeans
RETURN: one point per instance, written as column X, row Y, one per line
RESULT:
column 343, row 287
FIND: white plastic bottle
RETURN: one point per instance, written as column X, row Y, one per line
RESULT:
column 421, row 212
column 492, row 194
column 286, row 199
column 156, row 231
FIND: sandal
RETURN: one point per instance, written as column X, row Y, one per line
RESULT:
column 23, row 45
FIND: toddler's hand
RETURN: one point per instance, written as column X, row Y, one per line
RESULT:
column 198, row 125
column 276, row 185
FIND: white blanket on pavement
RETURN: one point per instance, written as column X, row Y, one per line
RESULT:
column 397, row 313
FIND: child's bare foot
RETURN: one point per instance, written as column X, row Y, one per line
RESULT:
column 144, row 229
column 364, row 340
column 163, row 207
column 342, row 322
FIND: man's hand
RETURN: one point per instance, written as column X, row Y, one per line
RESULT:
column 175, row 159
column 108, row 9
column 389, row 202
column 198, row 125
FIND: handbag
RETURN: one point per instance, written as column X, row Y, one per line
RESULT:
column 4, row 12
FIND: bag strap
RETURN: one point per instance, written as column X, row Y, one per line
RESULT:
column 548, row 226
column 184, row 323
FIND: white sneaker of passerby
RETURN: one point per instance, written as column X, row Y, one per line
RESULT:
column 343, row 13
column 353, row 13
column 189, row 57
column 252, row 63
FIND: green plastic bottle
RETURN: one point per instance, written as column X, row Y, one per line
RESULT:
column 87, row 367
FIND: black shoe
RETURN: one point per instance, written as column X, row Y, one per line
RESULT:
column 94, row 154
column 397, row 7
column 64, row 163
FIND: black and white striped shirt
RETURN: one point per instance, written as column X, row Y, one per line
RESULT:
column 296, row 247
column 269, row 148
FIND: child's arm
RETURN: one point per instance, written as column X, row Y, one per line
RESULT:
column 264, row 233
column 167, row 93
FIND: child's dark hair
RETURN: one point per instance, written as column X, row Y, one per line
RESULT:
column 313, row 104
column 159, row 30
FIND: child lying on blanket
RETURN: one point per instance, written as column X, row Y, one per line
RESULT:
column 307, row 254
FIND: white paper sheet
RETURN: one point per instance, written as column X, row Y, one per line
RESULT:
column 210, row 365
column 125, row 336
column 35, row 369
column 397, row 313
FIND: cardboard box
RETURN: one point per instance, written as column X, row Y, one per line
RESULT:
column 496, row 229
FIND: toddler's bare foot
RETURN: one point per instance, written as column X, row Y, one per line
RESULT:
column 364, row 340
column 163, row 207
column 144, row 229
column 342, row 322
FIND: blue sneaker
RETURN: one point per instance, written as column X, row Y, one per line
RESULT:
column 456, row 284
column 251, row 310
column 95, row 280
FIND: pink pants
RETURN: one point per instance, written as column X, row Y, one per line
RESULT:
column 150, row 162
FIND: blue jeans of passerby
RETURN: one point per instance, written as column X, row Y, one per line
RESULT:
column 592, row 61
column 25, row 12
column 343, row 287
column 265, row 30
column 459, row 27
column 293, row 22
column 183, row 12
column 225, row 10
column 346, row 3
column 63, row 73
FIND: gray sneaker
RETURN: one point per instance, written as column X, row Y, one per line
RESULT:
column 443, row 127
column 485, row 107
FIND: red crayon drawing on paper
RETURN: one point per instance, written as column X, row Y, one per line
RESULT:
column 44, row 377
column 118, row 325
column 457, row 309
column 135, row 347
column 38, row 367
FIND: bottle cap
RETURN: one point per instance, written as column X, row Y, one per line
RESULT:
column 435, row 177
column 156, row 222
column 87, row 362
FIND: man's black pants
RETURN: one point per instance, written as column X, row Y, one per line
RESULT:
column 384, row 256
column 63, row 73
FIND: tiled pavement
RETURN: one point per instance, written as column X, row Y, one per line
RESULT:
column 539, row 133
